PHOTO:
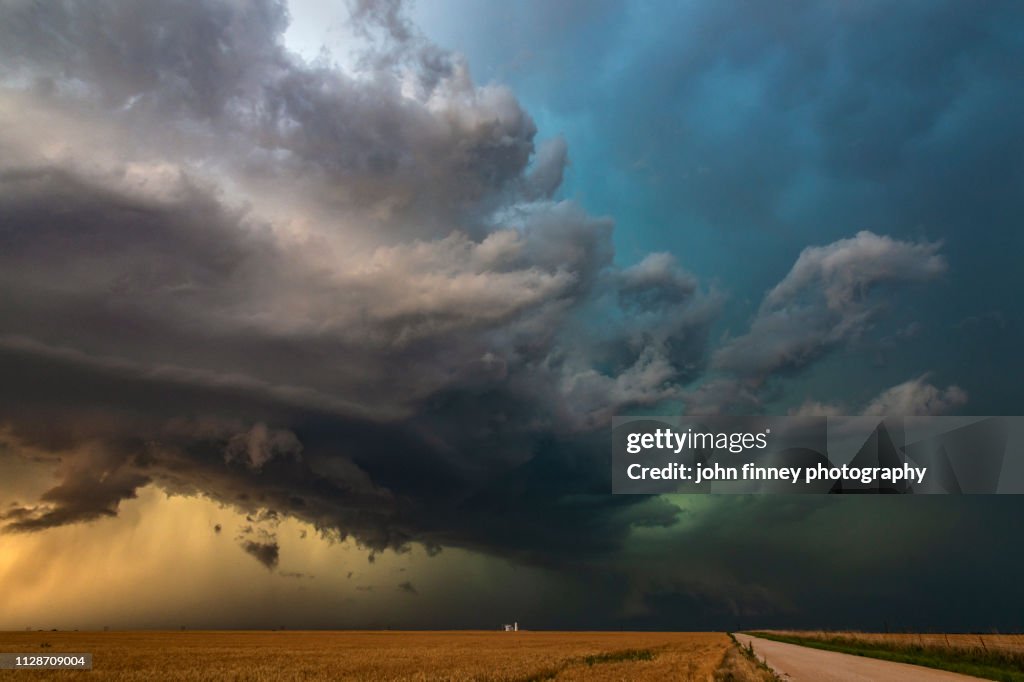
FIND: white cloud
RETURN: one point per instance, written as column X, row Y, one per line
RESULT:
column 917, row 397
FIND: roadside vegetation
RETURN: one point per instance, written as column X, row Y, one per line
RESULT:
column 740, row 664
column 989, row 656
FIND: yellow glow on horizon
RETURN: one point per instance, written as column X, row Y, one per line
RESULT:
column 161, row 564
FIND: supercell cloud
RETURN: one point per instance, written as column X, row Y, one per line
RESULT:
column 344, row 296
column 356, row 296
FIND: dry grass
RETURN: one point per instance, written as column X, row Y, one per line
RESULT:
column 293, row 656
column 738, row 666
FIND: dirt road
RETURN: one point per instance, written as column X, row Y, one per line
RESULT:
column 804, row 664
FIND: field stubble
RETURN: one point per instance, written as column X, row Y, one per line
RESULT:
column 293, row 655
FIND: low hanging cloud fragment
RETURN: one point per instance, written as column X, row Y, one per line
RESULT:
column 267, row 553
column 829, row 298
column 824, row 300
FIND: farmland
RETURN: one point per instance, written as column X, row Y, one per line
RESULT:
column 363, row 655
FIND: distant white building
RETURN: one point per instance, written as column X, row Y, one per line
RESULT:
column 511, row 627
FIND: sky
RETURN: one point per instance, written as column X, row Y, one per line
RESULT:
column 317, row 314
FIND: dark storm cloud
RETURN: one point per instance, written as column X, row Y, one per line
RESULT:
column 747, row 562
column 756, row 129
column 348, row 297
column 399, row 352
column 94, row 481
column 175, row 56
column 264, row 552
column 829, row 298
column 825, row 299
column 778, row 109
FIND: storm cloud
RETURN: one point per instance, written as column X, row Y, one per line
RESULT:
column 358, row 297
column 345, row 296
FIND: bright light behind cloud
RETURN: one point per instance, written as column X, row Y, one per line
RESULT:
column 162, row 563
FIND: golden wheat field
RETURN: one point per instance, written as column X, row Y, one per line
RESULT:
column 293, row 655
column 983, row 642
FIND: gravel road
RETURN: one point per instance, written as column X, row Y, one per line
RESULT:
column 804, row 664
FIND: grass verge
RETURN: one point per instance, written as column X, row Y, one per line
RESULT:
column 739, row 664
column 990, row 665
